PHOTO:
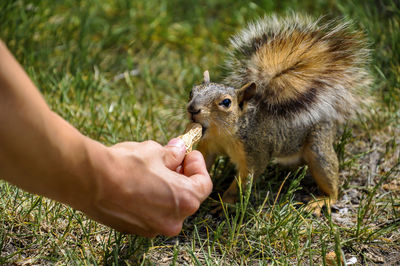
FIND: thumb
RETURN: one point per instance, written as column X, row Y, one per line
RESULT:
column 174, row 153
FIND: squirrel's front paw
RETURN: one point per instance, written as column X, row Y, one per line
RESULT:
column 315, row 205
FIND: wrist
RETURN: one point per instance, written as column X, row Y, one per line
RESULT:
column 70, row 169
column 86, row 174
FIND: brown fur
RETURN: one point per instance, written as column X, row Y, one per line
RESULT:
column 290, row 82
column 301, row 66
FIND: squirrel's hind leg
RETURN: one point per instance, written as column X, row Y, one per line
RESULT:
column 322, row 161
column 231, row 194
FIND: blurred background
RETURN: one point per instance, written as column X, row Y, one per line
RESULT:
column 122, row 70
column 139, row 59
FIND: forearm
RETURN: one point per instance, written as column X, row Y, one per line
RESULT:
column 133, row 187
column 39, row 151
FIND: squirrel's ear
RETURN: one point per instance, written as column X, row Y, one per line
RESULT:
column 246, row 92
column 206, row 77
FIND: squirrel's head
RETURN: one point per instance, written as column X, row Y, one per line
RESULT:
column 218, row 107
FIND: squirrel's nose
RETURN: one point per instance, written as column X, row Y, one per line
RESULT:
column 193, row 109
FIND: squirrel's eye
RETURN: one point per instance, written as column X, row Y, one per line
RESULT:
column 226, row 102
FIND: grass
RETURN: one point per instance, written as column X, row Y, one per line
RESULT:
column 121, row 70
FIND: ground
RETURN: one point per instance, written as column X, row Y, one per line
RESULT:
column 122, row 70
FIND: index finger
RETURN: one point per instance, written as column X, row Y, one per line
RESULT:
column 194, row 167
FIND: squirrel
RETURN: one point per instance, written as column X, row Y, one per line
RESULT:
column 291, row 81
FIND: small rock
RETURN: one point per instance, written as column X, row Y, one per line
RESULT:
column 343, row 210
column 351, row 261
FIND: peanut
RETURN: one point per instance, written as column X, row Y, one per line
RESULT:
column 192, row 136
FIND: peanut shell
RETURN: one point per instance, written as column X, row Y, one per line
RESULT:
column 192, row 136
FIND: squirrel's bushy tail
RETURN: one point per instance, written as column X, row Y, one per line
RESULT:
column 305, row 70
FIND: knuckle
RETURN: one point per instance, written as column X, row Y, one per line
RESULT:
column 188, row 204
column 153, row 148
column 196, row 153
column 208, row 184
column 173, row 155
column 139, row 161
column 152, row 143
column 171, row 228
column 198, row 157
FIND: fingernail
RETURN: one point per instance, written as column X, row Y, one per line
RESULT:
column 177, row 142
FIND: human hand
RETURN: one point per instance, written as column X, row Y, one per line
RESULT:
column 139, row 190
column 133, row 187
